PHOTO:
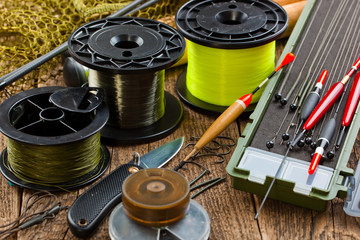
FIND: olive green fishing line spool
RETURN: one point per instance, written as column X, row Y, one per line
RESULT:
column 231, row 49
column 52, row 165
column 50, row 147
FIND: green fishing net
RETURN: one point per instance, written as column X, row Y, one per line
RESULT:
column 29, row 29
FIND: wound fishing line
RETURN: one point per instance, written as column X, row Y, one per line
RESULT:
column 49, row 147
column 213, row 75
column 136, row 100
column 156, row 204
column 127, row 58
column 231, row 49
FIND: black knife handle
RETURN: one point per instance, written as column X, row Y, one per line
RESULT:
column 91, row 207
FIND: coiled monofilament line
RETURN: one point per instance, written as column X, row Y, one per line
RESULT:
column 135, row 100
column 231, row 49
column 53, row 165
column 219, row 76
column 127, row 57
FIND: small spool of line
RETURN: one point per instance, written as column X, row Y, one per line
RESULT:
column 231, row 49
column 156, row 205
column 127, row 58
column 49, row 148
column 155, row 197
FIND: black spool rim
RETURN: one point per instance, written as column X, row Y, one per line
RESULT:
column 34, row 99
column 198, row 104
column 231, row 24
column 126, row 45
column 88, row 178
column 161, row 128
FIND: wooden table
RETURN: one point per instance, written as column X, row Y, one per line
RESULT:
column 231, row 211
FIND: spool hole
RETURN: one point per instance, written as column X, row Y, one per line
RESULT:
column 52, row 114
column 126, row 41
column 127, row 54
column 231, row 17
column 155, row 187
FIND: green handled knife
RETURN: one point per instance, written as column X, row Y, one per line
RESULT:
column 91, row 207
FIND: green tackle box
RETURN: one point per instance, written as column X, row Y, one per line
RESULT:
column 252, row 168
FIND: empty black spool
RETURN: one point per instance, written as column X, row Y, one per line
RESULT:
column 20, row 117
column 129, row 45
column 226, row 24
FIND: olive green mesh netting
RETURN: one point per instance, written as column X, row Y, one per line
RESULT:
column 29, row 29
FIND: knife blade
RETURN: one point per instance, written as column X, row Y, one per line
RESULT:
column 91, row 207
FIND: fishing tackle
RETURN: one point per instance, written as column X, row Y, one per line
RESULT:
column 127, row 58
column 229, row 33
column 323, row 141
column 352, row 102
column 234, row 111
column 53, row 146
column 326, row 102
column 312, row 99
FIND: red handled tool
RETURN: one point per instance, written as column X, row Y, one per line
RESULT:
column 233, row 111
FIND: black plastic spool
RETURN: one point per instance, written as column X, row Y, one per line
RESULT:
column 130, row 45
column 228, row 24
column 20, row 115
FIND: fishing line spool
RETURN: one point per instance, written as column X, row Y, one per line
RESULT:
column 231, row 49
column 127, row 58
column 156, row 205
column 49, row 147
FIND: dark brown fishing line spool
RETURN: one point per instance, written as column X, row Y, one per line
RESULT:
column 127, row 57
column 50, row 148
column 156, row 197
column 156, row 204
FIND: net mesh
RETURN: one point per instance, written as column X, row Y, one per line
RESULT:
column 29, row 29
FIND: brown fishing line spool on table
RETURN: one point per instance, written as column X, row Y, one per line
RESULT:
column 156, row 205
column 156, row 197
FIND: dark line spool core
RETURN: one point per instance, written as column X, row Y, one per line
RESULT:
column 231, row 17
column 126, row 41
column 51, row 114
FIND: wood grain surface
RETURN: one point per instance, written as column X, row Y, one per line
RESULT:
column 231, row 211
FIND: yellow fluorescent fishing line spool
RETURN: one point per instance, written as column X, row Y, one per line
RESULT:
column 231, row 49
